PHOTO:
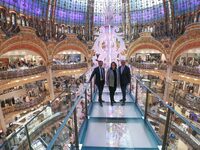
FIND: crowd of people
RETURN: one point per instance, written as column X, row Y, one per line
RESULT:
column 68, row 59
column 191, row 62
column 20, row 64
column 10, row 90
column 33, row 94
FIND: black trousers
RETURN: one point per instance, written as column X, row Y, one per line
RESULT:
column 100, row 87
column 123, row 88
column 112, row 93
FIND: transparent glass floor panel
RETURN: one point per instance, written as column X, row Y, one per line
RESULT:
column 116, row 111
column 106, row 90
column 117, row 97
column 122, row 134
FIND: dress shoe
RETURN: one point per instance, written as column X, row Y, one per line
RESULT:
column 123, row 103
column 100, row 103
column 114, row 101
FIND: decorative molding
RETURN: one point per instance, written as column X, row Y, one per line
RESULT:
column 145, row 41
column 189, row 40
column 26, row 39
column 72, row 43
column 172, row 49
column 2, row 37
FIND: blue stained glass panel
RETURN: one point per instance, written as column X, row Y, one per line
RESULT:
column 185, row 6
column 72, row 12
column 28, row 7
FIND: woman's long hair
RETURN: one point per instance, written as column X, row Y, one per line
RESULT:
column 113, row 63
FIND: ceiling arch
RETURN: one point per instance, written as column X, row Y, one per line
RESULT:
column 189, row 40
column 72, row 43
column 145, row 43
column 26, row 39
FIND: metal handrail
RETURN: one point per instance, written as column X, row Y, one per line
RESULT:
column 77, row 100
column 23, row 127
column 169, row 107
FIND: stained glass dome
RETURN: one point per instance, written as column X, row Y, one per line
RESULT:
column 74, row 12
column 71, row 11
column 85, row 17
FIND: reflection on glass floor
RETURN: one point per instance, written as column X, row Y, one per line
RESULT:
column 117, row 97
column 106, row 90
column 116, row 111
column 117, row 127
column 129, row 134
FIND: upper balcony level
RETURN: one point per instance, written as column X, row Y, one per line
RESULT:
column 193, row 71
column 23, row 72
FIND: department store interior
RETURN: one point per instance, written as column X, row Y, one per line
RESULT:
column 48, row 49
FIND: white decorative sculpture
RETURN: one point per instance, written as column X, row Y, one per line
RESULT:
column 109, row 43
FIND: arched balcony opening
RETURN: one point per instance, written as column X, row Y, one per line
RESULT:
column 20, row 63
column 188, row 62
column 69, row 59
column 148, row 59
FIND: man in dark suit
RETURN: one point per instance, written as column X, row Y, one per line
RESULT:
column 125, row 79
column 99, row 73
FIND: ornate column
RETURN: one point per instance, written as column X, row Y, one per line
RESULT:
column 50, row 82
column 50, row 12
column 50, row 16
column 53, row 9
column 126, row 19
column 199, row 90
column 2, row 121
column 168, row 82
column 173, row 22
column 90, row 20
column 184, row 84
column 167, row 43
column 166, row 14
column 2, row 38
column 51, row 49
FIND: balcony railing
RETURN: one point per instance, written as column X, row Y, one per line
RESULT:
column 187, row 70
column 149, row 66
column 36, row 70
column 23, row 106
column 182, row 69
column 21, row 72
column 71, row 66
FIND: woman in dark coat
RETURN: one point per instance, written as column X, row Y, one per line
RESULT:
column 112, row 81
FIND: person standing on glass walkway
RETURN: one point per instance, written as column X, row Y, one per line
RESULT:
column 99, row 73
column 124, row 78
column 112, row 78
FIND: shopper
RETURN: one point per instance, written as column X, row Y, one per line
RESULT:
column 99, row 72
column 112, row 80
column 125, row 79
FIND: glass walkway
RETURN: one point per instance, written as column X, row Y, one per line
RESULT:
column 117, row 127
